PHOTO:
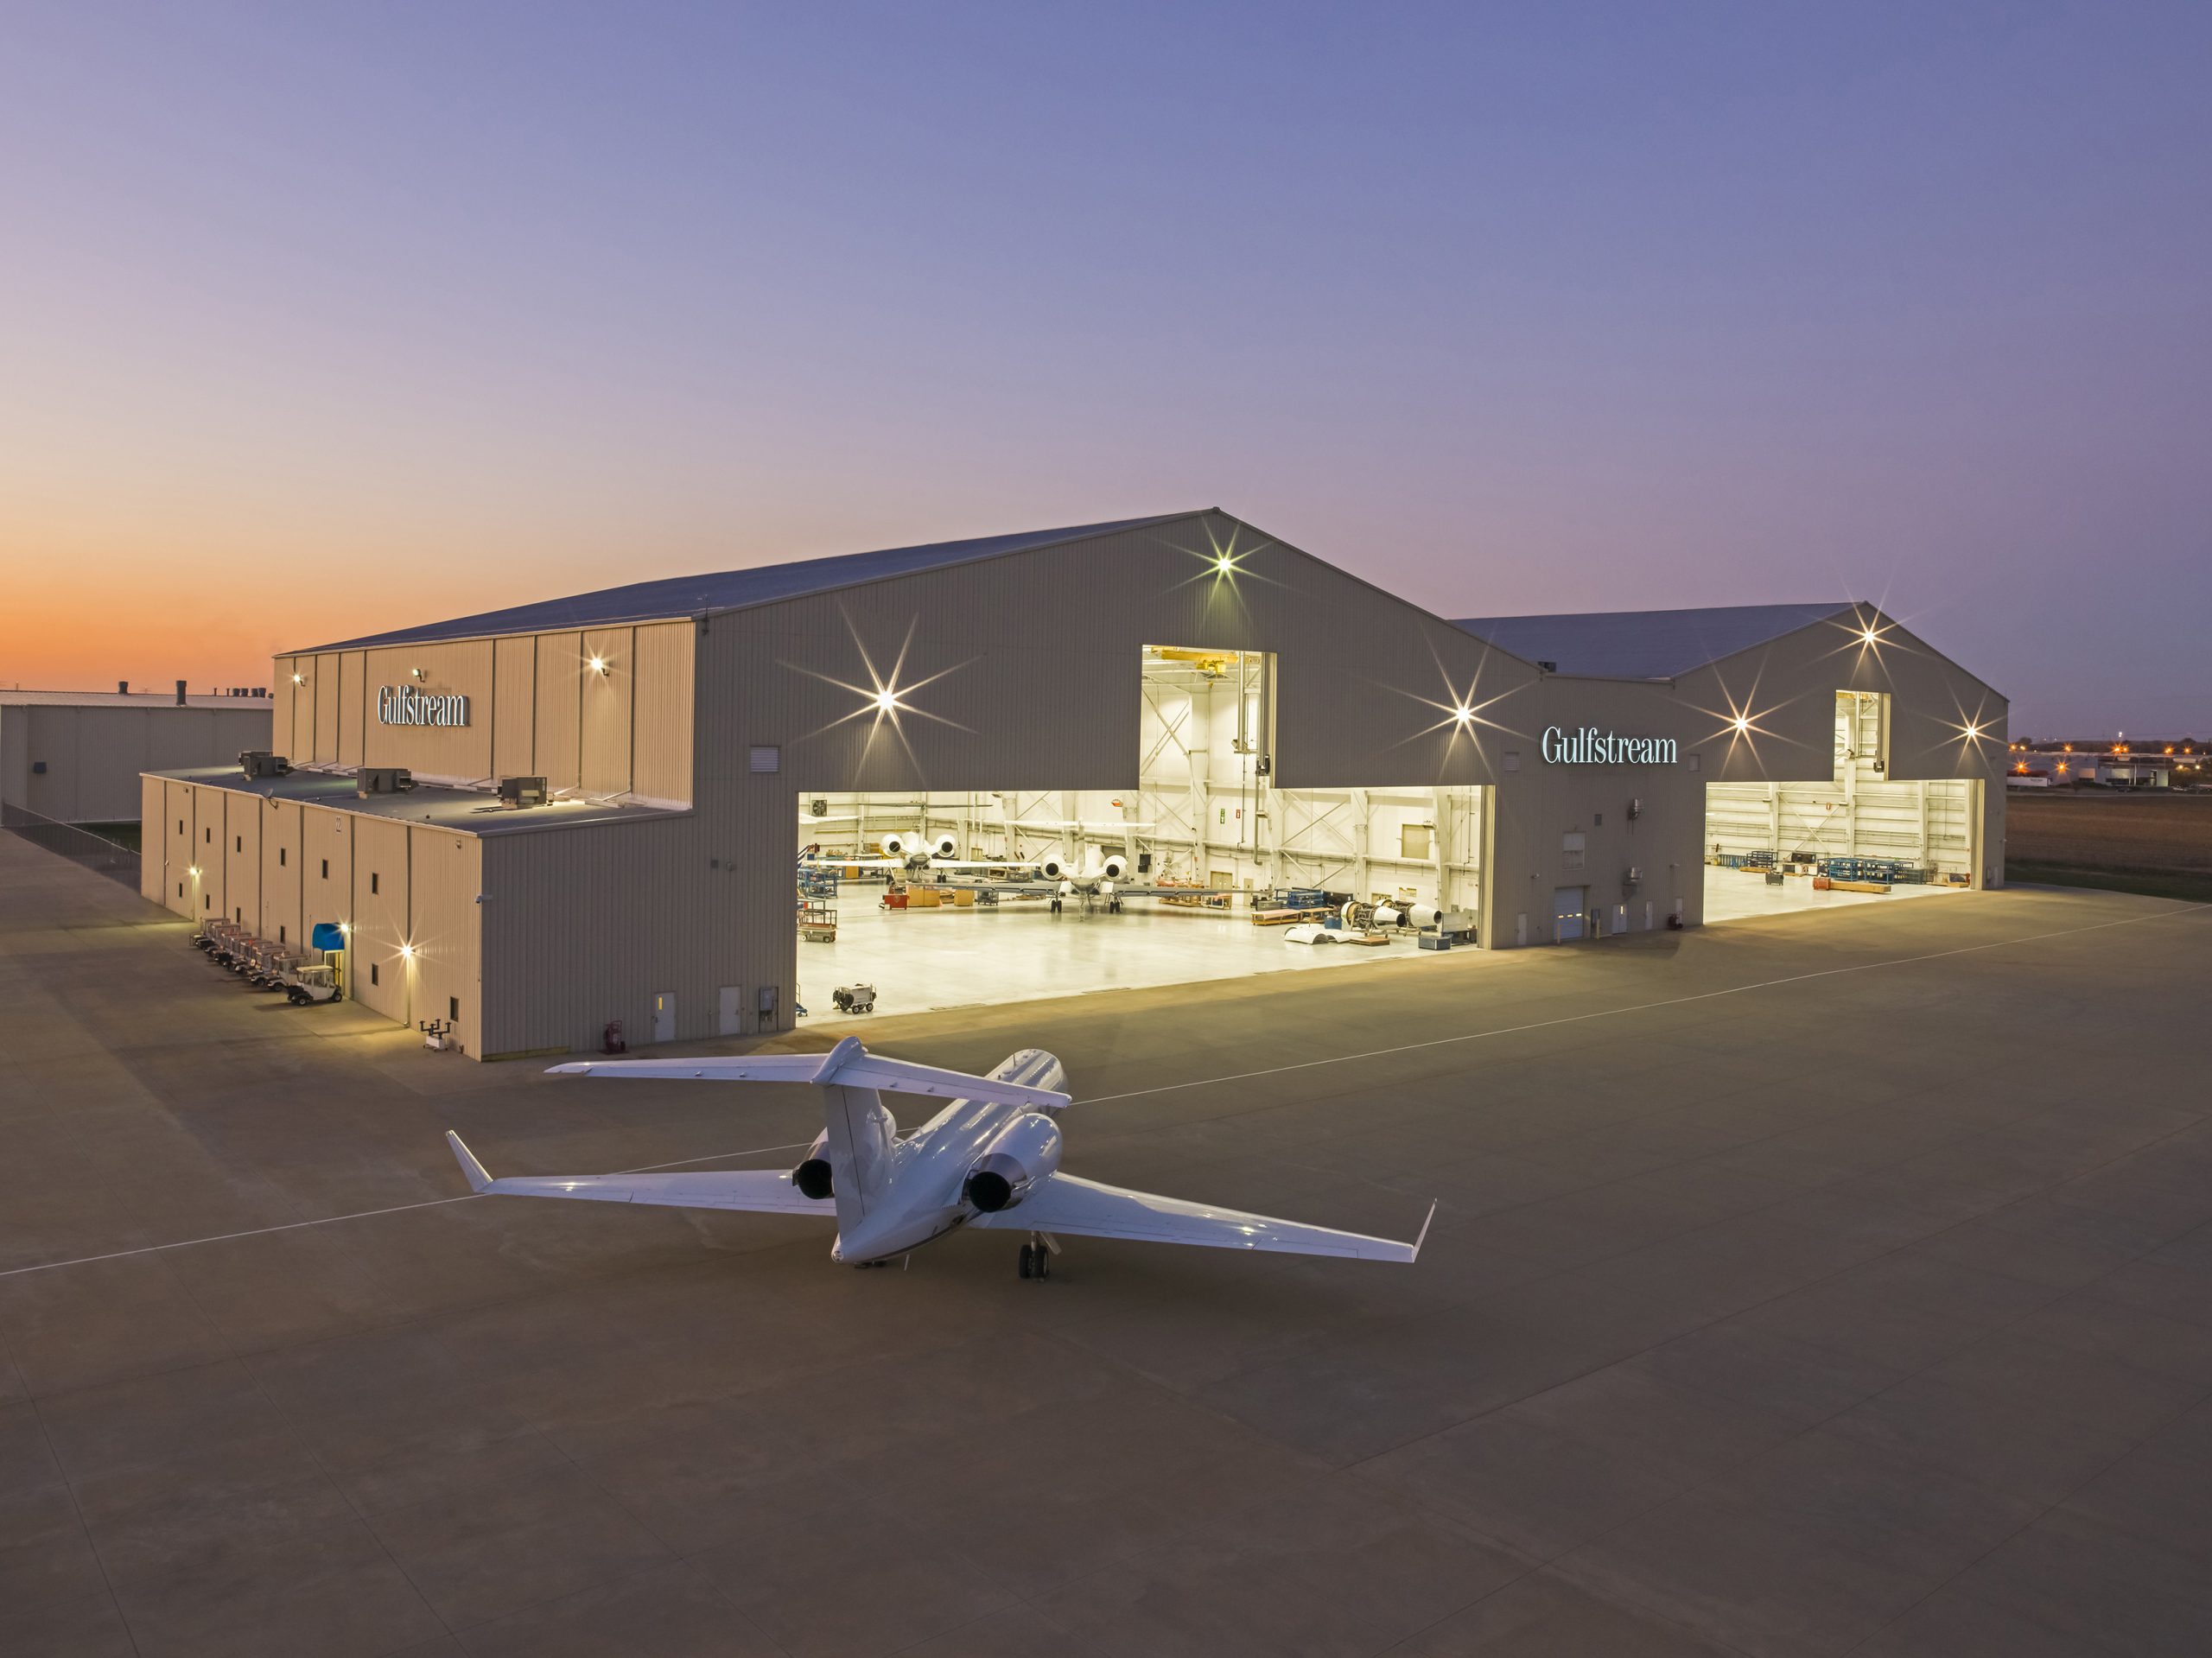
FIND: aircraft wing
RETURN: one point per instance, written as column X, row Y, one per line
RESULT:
column 761, row 1191
column 1086, row 1209
column 847, row 1065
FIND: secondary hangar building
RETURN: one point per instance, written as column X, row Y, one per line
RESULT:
column 1222, row 706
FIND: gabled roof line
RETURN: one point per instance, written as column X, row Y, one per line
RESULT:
column 664, row 598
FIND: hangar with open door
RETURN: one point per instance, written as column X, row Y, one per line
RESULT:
column 1203, row 869
column 1857, row 837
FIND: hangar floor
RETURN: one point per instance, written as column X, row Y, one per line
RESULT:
column 1737, row 895
column 1786, row 1299
column 920, row 960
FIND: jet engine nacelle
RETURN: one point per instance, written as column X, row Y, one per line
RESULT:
column 1116, row 866
column 814, row 1179
column 896, row 845
column 944, row 846
column 1021, row 1155
column 1051, row 865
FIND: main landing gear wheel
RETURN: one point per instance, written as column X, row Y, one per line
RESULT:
column 1036, row 1262
column 1056, row 906
column 1027, row 1252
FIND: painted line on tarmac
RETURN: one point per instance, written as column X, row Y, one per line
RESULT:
column 363, row 1215
column 1638, row 1007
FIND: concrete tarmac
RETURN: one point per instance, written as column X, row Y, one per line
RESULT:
column 1840, row 1282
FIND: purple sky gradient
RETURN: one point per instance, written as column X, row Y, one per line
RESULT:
column 320, row 320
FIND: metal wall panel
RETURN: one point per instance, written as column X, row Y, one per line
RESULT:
column 351, row 706
column 380, row 917
column 325, row 868
column 323, row 678
column 444, row 754
column 604, row 738
column 514, row 706
column 559, row 691
column 444, row 880
column 661, row 717
column 241, row 844
column 283, row 704
column 280, row 874
column 208, row 857
column 155, row 833
column 181, row 892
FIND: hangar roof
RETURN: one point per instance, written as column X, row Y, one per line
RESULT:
column 130, row 700
column 1645, row 643
column 708, row 594
column 465, row 811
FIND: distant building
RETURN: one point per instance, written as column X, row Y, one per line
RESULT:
column 2112, row 766
column 76, row 756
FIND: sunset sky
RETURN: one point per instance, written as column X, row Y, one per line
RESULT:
column 319, row 319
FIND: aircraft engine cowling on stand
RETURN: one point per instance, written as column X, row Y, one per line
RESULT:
column 1022, row 1154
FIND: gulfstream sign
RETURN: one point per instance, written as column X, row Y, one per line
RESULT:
column 1587, row 746
column 403, row 705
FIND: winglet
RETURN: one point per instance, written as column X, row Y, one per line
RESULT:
column 847, row 1049
column 479, row 1181
column 1418, row 1242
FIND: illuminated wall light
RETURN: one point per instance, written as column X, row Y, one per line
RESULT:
column 1743, row 723
column 407, row 952
column 598, row 665
column 1463, row 714
column 299, row 679
column 887, row 701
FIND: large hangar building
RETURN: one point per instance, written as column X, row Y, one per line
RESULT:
column 1211, row 703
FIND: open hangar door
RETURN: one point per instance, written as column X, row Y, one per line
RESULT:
column 1203, row 870
column 1856, row 837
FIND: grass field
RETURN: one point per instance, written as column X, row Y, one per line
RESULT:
column 2158, row 844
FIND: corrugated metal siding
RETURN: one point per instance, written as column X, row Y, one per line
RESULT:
column 280, row 874
column 455, row 753
column 661, row 723
column 604, row 740
column 155, row 830
column 241, row 844
column 443, row 928
column 560, row 667
column 514, row 708
column 380, row 916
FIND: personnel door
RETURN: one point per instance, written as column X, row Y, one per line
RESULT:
column 664, row 1016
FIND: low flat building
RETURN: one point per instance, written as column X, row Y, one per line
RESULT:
column 75, row 757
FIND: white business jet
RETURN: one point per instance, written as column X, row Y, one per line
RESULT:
column 990, row 1160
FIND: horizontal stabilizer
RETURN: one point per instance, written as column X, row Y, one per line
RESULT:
column 847, row 1065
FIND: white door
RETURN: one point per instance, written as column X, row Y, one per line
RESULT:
column 1566, row 914
column 664, row 1016
column 729, row 1016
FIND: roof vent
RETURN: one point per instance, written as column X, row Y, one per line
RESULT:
column 522, row 791
column 382, row 780
column 260, row 763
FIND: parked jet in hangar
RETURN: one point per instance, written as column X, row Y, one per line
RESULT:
column 1051, row 874
column 991, row 1160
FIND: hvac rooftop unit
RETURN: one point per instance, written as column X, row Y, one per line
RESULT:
column 260, row 763
column 382, row 780
column 522, row 791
